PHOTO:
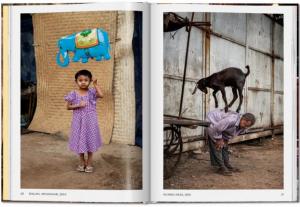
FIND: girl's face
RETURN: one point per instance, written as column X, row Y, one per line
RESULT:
column 83, row 81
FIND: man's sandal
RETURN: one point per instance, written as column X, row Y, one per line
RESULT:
column 237, row 170
column 233, row 169
column 224, row 172
column 89, row 169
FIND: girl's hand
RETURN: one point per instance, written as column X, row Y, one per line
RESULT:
column 95, row 82
column 99, row 94
column 82, row 104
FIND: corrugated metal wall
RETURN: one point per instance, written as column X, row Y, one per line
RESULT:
column 235, row 40
column 174, row 58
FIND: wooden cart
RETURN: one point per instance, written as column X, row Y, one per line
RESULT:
column 173, row 144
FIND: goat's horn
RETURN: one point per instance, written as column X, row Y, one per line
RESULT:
column 194, row 91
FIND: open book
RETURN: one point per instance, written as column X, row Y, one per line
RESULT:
column 138, row 129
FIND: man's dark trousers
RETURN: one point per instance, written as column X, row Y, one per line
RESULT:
column 218, row 158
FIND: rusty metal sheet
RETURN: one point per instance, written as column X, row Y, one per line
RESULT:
column 199, row 17
column 172, row 90
column 192, row 104
column 259, row 105
column 225, row 54
column 232, row 25
column 278, row 40
column 259, row 32
column 192, row 108
column 278, row 96
column 278, row 109
column 195, row 58
column 174, row 53
column 260, row 70
column 174, row 57
column 278, row 83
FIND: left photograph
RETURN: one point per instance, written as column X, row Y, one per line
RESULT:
column 81, row 100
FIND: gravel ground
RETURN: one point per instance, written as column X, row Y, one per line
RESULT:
column 261, row 164
column 47, row 163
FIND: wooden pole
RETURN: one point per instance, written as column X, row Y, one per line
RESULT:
column 185, row 64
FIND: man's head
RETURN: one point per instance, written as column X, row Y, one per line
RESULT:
column 247, row 120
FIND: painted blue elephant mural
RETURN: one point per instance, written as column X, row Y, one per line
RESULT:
column 90, row 43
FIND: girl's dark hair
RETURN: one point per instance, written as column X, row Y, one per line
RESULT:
column 85, row 73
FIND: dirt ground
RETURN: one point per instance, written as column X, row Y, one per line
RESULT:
column 47, row 163
column 261, row 163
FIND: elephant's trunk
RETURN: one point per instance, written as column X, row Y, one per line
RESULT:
column 65, row 56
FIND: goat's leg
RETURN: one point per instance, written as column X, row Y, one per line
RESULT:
column 235, row 96
column 241, row 99
column 224, row 98
column 215, row 97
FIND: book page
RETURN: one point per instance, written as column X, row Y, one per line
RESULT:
column 78, row 129
column 214, row 68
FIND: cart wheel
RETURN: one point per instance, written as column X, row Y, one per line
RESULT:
column 172, row 150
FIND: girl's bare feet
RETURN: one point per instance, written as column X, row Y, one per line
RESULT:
column 82, row 163
column 80, row 168
column 89, row 169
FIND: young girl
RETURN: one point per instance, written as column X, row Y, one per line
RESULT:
column 85, row 134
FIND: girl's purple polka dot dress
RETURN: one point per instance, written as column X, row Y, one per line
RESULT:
column 85, row 133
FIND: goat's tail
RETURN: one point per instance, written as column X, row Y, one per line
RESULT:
column 248, row 70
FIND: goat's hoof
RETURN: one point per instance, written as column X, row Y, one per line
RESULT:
column 226, row 109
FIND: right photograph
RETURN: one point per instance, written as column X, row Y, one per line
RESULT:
column 223, row 100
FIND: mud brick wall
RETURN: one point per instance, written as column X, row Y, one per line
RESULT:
column 124, row 92
column 53, row 82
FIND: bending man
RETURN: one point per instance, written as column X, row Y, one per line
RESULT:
column 223, row 127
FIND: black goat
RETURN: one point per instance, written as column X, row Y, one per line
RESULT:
column 233, row 77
